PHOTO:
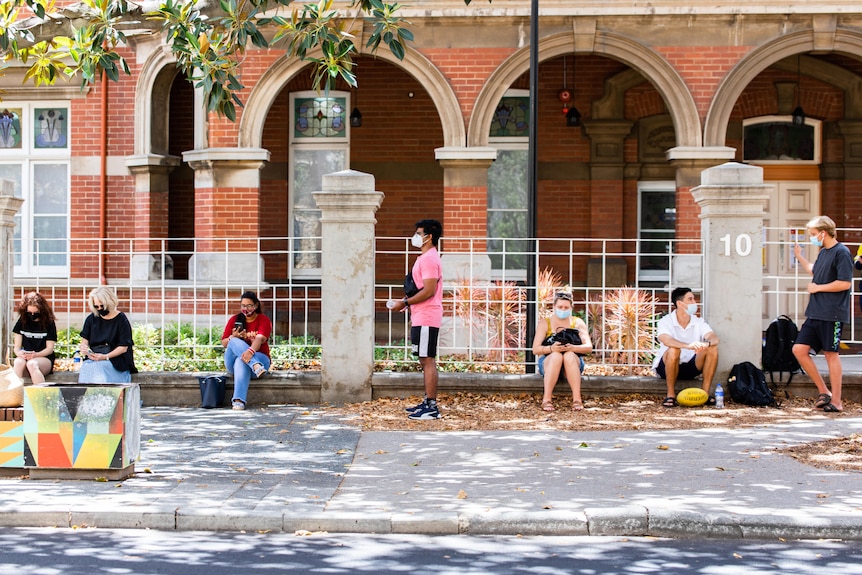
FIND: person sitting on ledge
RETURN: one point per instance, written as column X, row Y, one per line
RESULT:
column 688, row 347
column 555, row 357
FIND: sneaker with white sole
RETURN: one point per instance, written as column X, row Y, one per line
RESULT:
column 238, row 405
column 427, row 411
column 416, row 407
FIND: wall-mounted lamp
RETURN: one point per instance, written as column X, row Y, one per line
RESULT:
column 798, row 116
column 355, row 118
column 355, row 115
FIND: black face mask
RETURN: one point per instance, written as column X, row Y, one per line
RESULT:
column 34, row 316
column 102, row 312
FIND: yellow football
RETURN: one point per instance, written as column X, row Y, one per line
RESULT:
column 692, row 397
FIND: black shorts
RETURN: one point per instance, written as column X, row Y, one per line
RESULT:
column 424, row 340
column 687, row 370
column 820, row 335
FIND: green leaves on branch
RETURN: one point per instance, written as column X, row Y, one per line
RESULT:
column 90, row 51
column 387, row 28
column 209, row 40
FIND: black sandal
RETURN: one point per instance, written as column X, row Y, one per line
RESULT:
column 823, row 400
column 669, row 402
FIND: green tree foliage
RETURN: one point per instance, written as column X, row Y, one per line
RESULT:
column 209, row 38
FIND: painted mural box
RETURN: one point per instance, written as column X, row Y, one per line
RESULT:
column 82, row 427
column 11, row 443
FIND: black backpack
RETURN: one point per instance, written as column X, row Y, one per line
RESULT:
column 747, row 385
column 778, row 349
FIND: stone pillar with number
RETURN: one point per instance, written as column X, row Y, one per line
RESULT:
column 348, row 204
column 731, row 198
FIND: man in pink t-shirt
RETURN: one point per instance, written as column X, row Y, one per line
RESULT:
column 426, row 313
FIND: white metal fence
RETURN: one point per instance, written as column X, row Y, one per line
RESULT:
column 179, row 320
column 785, row 283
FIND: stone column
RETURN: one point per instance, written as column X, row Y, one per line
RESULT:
column 151, row 174
column 465, row 209
column 607, row 171
column 9, row 206
column 465, row 229
column 226, row 237
column 731, row 198
column 689, row 164
column 348, row 204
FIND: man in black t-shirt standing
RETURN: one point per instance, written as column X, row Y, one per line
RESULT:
column 828, row 308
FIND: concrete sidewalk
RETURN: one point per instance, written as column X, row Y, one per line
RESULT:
column 288, row 468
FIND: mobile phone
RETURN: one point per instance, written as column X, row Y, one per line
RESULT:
column 238, row 325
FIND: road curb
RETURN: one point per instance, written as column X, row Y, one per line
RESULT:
column 628, row 521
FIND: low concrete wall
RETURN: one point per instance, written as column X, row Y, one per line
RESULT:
column 303, row 387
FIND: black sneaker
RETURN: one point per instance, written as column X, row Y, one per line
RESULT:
column 425, row 412
column 416, row 407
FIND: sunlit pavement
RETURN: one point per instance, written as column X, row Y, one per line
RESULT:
column 289, row 468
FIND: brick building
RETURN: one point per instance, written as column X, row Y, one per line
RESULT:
column 663, row 92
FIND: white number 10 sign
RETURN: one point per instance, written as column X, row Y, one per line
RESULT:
column 742, row 244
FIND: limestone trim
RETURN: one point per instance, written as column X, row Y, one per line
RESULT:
column 429, row 76
column 146, row 161
column 486, row 153
column 15, row 87
column 227, row 167
column 771, row 54
column 651, row 65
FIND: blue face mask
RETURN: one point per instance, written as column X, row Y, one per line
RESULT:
column 815, row 242
column 691, row 308
column 563, row 313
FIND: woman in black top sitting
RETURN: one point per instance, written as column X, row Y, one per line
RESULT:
column 35, row 334
column 106, row 341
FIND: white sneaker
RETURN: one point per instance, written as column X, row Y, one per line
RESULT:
column 238, row 405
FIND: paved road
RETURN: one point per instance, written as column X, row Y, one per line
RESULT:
column 88, row 551
column 287, row 468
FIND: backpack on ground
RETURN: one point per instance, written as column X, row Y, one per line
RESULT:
column 778, row 350
column 747, row 385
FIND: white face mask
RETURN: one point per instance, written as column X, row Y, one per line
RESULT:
column 691, row 308
column 416, row 240
column 563, row 313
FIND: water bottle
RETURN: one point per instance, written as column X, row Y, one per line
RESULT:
column 76, row 361
column 719, row 396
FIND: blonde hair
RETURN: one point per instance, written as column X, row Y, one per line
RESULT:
column 822, row 223
column 106, row 296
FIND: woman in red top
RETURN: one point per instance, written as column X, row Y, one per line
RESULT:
column 246, row 350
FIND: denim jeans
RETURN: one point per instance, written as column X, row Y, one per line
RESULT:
column 542, row 364
column 102, row 372
column 241, row 371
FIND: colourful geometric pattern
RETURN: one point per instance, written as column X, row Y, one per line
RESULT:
column 12, row 444
column 81, row 427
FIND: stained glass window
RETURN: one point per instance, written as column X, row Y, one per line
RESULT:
column 511, row 118
column 35, row 156
column 10, row 128
column 320, row 118
column 50, row 127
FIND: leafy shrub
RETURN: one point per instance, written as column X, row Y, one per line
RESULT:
column 622, row 327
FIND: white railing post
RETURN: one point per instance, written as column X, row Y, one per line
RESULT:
column 348, row 204
column 732, row 197
column 9, row 206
